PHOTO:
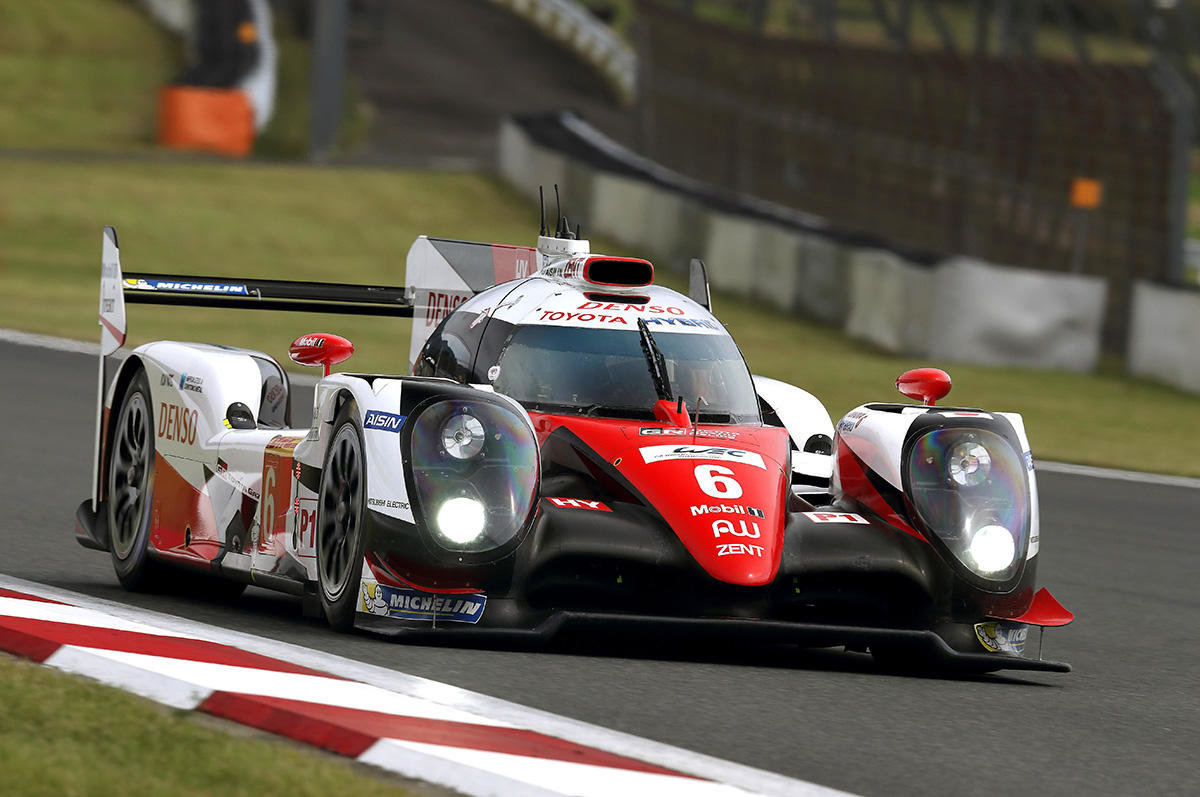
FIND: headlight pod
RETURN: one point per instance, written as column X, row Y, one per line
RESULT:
column 474, row 467
column 968, row 487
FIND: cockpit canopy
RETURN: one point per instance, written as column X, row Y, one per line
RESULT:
column 605, row 372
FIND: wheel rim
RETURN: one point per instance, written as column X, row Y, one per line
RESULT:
column 129, row 475
column 340, row 520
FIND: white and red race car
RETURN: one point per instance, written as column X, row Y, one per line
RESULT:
column 574, row 445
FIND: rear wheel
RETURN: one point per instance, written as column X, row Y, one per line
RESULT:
column 341, row 519
column 131, row 489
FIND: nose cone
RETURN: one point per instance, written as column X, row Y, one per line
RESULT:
column 725, row 504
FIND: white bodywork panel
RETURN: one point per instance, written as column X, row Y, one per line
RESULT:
column 803, row 416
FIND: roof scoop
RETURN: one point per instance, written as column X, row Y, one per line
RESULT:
column 610, row 272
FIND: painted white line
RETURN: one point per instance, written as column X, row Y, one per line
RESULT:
column 73, row 346
column 1119, row 475
column 49, row 342
column 81, row 347
column 576, row 731
column 567, row 777
column 160, row 687
column 292, row 686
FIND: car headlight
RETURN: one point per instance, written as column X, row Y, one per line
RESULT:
column 462, row 436
column 474, row 467
column 968, row 487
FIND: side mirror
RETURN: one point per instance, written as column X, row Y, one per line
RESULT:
column 320, row 348
column 924, row 384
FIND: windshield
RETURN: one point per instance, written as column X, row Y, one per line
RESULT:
column 555, row 368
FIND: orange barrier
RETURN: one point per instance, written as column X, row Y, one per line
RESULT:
column 207, row 119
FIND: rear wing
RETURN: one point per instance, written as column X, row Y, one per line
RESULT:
column 118, row 289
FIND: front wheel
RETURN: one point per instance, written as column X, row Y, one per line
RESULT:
column 131, row 489
column 341, row 520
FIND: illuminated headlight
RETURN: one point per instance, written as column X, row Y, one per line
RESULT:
column 462, row 436
column 969, row 488
column 992, row 549
column 461, row 520
column 473, row 470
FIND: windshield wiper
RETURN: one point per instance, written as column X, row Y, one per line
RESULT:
column 656, row 361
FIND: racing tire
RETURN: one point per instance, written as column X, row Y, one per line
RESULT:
column 130, row 483
column 341, row 520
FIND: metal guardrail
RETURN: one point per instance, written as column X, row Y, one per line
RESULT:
column 571, row 24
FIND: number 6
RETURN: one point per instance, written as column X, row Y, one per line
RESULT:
column 717, row 481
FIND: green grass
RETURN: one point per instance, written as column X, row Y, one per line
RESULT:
column 356, row 226
column 81, row 74
column 64, row 735
column 85, row 75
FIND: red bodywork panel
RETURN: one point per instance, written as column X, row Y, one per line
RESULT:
column 1045, row 611
column 723, row 491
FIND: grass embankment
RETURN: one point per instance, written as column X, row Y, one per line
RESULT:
column 356, row 226
column 81, row 74
column 64, row 735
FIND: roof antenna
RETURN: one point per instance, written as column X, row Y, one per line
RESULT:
column 578, row 228
column 558, row 225
column 542, row 210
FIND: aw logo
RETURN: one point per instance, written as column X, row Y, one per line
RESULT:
column 384, row 421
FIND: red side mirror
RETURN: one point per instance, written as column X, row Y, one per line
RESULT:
column 924, row 384
column 320, row 348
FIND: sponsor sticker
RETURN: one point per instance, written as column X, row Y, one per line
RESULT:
column 177, row 423
column 675, row 431
column 666, row 453
column 383, row 421
column 739, row 549
column 836, row 517
column 1028, row 455
column 1002, row 637
column 193, row 383
column 720, row 527
column 850, row 421
column 726, row 509
column 228, row 288
column 310, row 341
column 578, row 503
column 412, row 604
column 387, row 503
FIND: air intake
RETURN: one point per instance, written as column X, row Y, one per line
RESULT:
column 626, row 272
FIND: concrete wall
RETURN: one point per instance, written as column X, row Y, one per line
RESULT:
column 1164, row 335
column 960, row 310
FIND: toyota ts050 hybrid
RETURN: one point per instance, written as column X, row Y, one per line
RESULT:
column 573, row 445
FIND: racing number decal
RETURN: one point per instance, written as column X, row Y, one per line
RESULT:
column 276, row 494
column 717, row 481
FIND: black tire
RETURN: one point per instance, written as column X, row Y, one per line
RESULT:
column 341, row 520
column 130, row 482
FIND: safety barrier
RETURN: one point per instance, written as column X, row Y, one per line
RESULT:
column 1164, row 330
column 949, row 310
column 573, row 25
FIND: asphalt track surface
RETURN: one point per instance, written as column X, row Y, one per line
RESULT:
column 1123, row 556
column 440, row 76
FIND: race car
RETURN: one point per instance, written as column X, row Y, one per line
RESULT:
column 574, row 446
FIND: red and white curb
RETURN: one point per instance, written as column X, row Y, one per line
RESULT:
column 408, row 725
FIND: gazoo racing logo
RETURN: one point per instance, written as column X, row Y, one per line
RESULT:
column 383, row 421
